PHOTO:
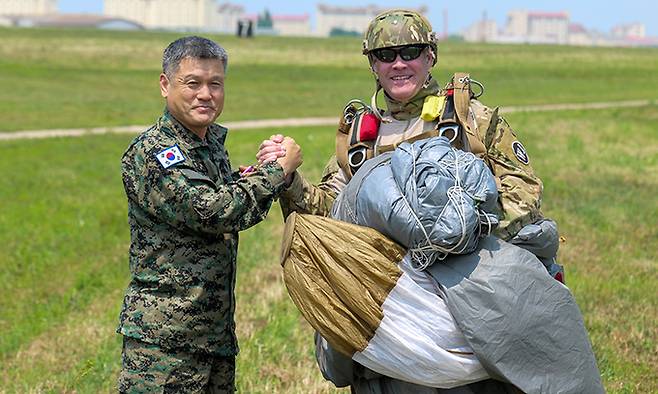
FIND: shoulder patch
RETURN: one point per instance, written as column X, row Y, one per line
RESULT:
column 520, row 153
column 170, row 156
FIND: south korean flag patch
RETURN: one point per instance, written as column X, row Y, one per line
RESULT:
column 170, row 156
column 520, row 153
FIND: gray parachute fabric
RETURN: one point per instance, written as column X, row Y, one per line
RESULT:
column 358, row 290
column 426, row 195
column 524, row 326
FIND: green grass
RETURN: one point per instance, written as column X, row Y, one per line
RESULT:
column 63, row 264
column 86, row 78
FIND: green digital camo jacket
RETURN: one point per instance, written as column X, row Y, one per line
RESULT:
column 185, row 208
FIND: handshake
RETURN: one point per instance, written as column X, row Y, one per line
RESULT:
column 283, row 150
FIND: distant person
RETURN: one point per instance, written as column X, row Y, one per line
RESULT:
column 401, row 50
column 240, row 28
column 185, row 209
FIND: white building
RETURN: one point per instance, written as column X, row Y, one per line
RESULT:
column 187, row 15
column 347, row 19
column 537, row 27
column 484, row 30
column 292, row 25
column 85, row 21
column 227, row 17
column 578, row 35
column 631, row 30
column 28, row 7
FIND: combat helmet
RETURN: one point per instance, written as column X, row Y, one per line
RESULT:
column 398, row 27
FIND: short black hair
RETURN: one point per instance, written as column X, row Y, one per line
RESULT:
column 194, row 47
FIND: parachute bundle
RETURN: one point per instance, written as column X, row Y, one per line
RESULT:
column 488, row 309
column 431, row 198
column 357, row 289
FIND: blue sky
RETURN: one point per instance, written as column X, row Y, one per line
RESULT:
column 600, row 15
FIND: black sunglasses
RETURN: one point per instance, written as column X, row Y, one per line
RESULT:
column 409, row 52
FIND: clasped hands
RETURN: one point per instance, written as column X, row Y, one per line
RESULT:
column 283, row 150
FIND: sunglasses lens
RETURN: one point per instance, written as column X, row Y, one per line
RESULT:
column 410, row 53
column 388, row 55
column 385, row 55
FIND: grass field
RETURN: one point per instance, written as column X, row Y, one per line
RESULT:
column 54, row 79
column 63, row 264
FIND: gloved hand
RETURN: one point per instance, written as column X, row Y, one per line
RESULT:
column 542, row 239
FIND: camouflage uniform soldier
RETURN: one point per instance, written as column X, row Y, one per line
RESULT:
column 185, row 208
column 402, row 49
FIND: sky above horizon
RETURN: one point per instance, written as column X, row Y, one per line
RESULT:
column 593, row 15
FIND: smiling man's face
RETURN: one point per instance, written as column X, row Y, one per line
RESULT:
column 195, row 94
column 402, row 79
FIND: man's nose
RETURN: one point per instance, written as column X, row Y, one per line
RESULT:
column 398, row 62
column 204, row 92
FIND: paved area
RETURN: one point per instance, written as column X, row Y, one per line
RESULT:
column 300, row 122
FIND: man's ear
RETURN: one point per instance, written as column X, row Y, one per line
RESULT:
column 164, row 85
column 372, row 67
column 433, row 56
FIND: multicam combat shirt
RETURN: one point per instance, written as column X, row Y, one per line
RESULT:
column 520, row 190
column 185, row 208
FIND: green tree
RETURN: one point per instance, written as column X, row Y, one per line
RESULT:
column 264, row 20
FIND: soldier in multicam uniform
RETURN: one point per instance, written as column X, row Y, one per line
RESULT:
column 402, row 49
column 185, row 209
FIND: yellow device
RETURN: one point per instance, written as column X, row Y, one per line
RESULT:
column 432, row 107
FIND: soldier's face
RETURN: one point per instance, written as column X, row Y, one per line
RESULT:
column 195, row 95
column 402, row 79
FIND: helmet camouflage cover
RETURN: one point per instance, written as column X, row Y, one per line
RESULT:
column 398, row 27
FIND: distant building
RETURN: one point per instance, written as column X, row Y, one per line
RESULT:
column 202, row 15
column 537, row 27
column 227, row 18
column 347, row 19
column 28, row 7
column 69, row 20
column 292, row 25
column 280, row 25
column 485, row 30
column 185, row 15
column 631, row 30
column 578, row 35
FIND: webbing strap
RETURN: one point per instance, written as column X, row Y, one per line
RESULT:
column 461, row 84
column 462, row 95
column 426, row 134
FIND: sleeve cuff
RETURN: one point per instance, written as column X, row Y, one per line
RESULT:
column 274, row 173
column 296, row 188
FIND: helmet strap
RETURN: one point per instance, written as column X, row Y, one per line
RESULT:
column 428, row 80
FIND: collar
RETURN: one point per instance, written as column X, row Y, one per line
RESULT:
column 170, row 125
column 413, row 107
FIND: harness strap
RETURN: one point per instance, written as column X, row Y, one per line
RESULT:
column 461, row 83
column 456, row 107
column 426, row 134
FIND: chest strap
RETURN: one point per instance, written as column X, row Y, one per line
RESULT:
column 418, row 137
column 461, row 85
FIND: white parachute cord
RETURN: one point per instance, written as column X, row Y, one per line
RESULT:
column 489, row 225
column 415, row 256
column 413, row 157
column 421, row 255
column 467, row 158
column 456, row 197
